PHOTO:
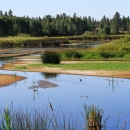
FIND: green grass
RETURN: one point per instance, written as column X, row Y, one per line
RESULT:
column 46, row 118
column 119, row 66
column 21, row 67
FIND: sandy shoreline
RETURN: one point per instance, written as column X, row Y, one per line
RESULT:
column 11, row 66
column 6, row 79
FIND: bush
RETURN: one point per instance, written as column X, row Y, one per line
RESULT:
column 91, row 55
column 73, row 54
column 69, row 54
column 127, row 56
column 106, row 55
column 77, row 55
column 50, row 57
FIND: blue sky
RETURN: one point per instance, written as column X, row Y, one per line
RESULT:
column 94, row 8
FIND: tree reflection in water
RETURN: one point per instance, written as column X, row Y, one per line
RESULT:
column 112, row 83
column 49, row 75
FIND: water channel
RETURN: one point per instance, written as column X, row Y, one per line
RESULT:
column 110, row 94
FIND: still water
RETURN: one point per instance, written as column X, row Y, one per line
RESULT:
column 110, row 94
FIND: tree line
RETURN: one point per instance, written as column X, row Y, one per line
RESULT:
column 61, row 25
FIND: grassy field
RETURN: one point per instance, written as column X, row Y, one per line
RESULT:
column 20, row 41
column 118, row 66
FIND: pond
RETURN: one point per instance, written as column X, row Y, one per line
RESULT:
column 69, row 93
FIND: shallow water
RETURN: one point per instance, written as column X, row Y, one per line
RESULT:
column 110, row 94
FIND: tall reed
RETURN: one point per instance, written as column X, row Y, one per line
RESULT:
column 35, row 119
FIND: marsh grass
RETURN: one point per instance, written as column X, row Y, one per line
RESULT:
column 21, row 67
column 102, row 65
column 35, row 119
column 19, row 41
column 49, row 118
column 93, row 116
column 6, row 124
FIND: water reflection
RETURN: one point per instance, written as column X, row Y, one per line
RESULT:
column 35, row 93
column 70, row 94
column 43, row 84
column 49, row 75
column 112, row 82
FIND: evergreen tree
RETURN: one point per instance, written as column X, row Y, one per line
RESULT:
column 116, row 23
column 10, row 13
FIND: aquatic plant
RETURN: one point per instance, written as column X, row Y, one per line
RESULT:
column 6, row 123
column 35, row 119
column 14, row 75
column 93, row 116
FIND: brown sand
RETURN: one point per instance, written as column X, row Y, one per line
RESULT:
column 6, row 79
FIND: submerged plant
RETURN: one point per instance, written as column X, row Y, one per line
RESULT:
column 93, row 116
column 14, row 75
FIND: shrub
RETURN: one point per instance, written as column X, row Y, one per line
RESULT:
column 69, row 54
column 105, row 54
column 77, row 55
column 50, row 57
column 91, row 55
column 127, row 56
column 62, row 56
column 73, row 54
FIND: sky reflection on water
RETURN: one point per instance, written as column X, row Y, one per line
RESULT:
column 110, row 94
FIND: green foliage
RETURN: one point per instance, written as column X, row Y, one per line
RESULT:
column 93, row 115
column 7, row 124
column 60, row 25
column 88, row 33
column 107, row 30
column 21, row 67
column 106, row 55
column 90, row 65
column 77, row 55
column 91, row 55
column 50, row 57
column 116, row 23
column 127, row 56
column 35, row 119
column 121, row 45
column 72, row 54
